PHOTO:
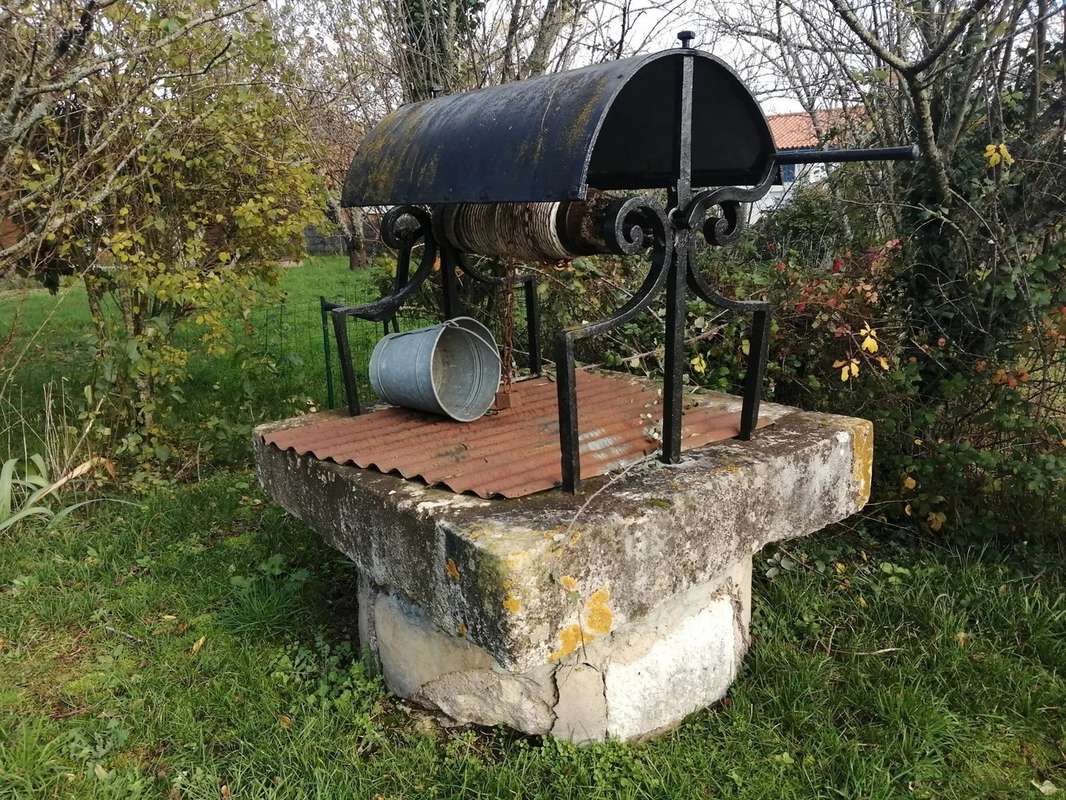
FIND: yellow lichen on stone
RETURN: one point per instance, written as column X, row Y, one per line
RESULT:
column 862, row 458
column 452, row 570
column 512, row 604
column 569, row 639
column 462, row 629
column 598, row 615
column 598, row 618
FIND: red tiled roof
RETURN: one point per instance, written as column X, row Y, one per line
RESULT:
column 796, row 130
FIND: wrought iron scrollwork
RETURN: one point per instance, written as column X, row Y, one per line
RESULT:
column 720, row 231
column 726, row 229
column 637, row 223
column 633, row 224
column 402, row 228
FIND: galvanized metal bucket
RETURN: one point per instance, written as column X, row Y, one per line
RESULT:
column 452, row 368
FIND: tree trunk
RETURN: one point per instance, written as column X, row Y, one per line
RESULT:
column 349, row 222
column 355, row 240
column 933, row 157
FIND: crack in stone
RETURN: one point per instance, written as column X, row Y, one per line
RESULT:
column 581, row 719
column 736, row 601
column 554, row 709
column 606, row 705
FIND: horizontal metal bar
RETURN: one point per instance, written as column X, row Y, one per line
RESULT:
column 906, row 153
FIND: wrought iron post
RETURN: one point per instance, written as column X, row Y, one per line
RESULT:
column 566, row 385
column 532, row 323
column 449, row 287
column 344, row 352
column 324, row 307
column 758, row 340
column 680, row 194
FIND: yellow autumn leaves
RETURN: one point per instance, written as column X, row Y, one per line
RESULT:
column 996, row 154
column 849, row 367
column 869, row 342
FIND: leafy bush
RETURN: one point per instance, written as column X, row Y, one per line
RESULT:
column 966, row 426
column 171, row 183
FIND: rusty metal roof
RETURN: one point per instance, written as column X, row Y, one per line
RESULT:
column 509, row 453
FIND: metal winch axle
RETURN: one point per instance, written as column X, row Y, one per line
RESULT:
column 531, row 232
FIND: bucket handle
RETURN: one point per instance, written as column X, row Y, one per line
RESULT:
column 491, row 346
column 450, row 323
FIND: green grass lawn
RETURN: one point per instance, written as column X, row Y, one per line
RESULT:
column 204, row 639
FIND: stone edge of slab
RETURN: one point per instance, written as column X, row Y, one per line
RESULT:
column 522, row 577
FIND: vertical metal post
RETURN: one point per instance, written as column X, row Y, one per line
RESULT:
column 533, row 323
column 676, row 281
column 351, row 391
column 673, row 399
column 758, row 341
column 403, row 275
column 450, row 298
column 566, row 385
column 324, row 307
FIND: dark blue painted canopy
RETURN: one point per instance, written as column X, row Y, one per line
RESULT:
column 608, row 126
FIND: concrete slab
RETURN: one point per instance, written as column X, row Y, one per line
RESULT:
column 613, row 613
column 522, row 577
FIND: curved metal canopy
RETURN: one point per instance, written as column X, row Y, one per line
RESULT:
column 609, row 126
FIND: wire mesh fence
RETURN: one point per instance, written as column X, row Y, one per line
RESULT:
column 291, row 346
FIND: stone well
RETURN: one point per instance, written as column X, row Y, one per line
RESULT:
column 610, row 614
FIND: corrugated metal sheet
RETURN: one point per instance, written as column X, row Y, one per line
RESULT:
column 510, row 453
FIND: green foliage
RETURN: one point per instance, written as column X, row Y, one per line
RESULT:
column 964, row 436
column 272, row 368
column 24, row 493
column 329, row 675
column 212, row 184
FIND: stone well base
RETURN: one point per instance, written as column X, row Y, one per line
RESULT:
column 612, row 613
column 642, row 678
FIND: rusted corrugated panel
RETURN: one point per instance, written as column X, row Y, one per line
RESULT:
column 510, row 453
